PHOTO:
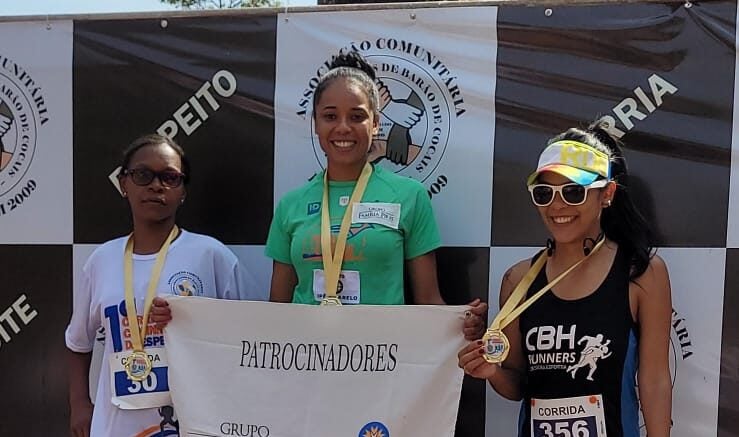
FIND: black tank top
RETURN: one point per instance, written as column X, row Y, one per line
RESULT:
column 583, row 347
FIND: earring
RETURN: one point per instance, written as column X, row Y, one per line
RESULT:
column 607, row 204
column 124, row 194
column 182, row 201
column 550, row 246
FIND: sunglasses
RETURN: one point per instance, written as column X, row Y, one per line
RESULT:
column 572, row 194
column 144, row 176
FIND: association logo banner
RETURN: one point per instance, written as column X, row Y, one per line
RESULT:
column 36, row 132
column 286, row 370
column 695, row 343
column 437, row 103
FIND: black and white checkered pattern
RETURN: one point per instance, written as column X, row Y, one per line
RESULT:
column 556, row 68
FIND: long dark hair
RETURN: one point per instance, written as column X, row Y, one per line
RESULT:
column 352, row 66
column 621, row 222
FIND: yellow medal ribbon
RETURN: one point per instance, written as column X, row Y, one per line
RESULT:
column 138, row 365
column 332, row 260
column 495, row 342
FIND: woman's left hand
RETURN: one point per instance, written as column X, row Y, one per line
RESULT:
column 474, row 320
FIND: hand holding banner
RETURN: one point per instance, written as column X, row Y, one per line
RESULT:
column 287, row 370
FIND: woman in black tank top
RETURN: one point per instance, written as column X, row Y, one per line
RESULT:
column 574, row 353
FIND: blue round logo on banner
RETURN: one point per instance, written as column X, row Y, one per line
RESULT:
column 374, row 429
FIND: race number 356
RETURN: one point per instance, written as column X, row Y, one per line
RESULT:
column 580, row 427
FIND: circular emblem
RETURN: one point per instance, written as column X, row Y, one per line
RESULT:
column 138, row 366
column 374, row 429
column 185, row 284
column 17, row 132
column 496, row 346
column 416, row 108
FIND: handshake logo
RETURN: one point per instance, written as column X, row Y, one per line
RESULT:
column 22, row 112
column 397, row 114
column 6, row 122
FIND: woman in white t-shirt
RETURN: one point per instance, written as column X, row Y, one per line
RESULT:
column 134, row 402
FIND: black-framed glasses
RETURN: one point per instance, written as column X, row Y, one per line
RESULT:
column 572, row 194
column 145, row 176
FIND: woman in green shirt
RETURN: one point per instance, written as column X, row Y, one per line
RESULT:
column 392, row 223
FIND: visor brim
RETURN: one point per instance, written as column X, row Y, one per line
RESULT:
column 576, row 175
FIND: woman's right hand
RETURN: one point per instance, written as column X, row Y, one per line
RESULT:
column 80, row 418
column 161, row 314
column 470, row 360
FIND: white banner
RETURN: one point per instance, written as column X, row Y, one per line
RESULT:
column 286, row 370
column 36, row 132
column 439, row 124
column 697, row 279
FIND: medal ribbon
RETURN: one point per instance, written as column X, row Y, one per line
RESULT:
column 139, row 334
column 332, row 260
column 511, row 309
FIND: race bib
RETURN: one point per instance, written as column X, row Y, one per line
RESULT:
column 570, row 417
column 387, row 214
column 152, row 392
column 348, row 289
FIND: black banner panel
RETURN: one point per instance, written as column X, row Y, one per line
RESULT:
column 35, row 304
column 728, row 410
column 208, row 83
column 659, row 73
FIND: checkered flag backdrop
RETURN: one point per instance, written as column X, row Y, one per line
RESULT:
column 488, row 84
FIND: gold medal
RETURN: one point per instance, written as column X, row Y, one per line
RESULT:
column 496, row 346
column 138, row 366
column 332, row 259
column 495, row 343
column 330, row 301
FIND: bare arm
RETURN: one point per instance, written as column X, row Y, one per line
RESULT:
column 508, row 382
column 284, row 280
column 425, row 287
column 424, row 283
column 654, row 314
column 79, row 398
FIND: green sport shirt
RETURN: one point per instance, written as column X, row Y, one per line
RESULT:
column 375, row 250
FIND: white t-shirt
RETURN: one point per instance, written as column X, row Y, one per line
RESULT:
column 195, row 265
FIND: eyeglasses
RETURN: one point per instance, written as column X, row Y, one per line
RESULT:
column 145, row 176
column 572, row 194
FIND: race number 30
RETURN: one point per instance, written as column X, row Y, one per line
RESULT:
column 157, row 381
